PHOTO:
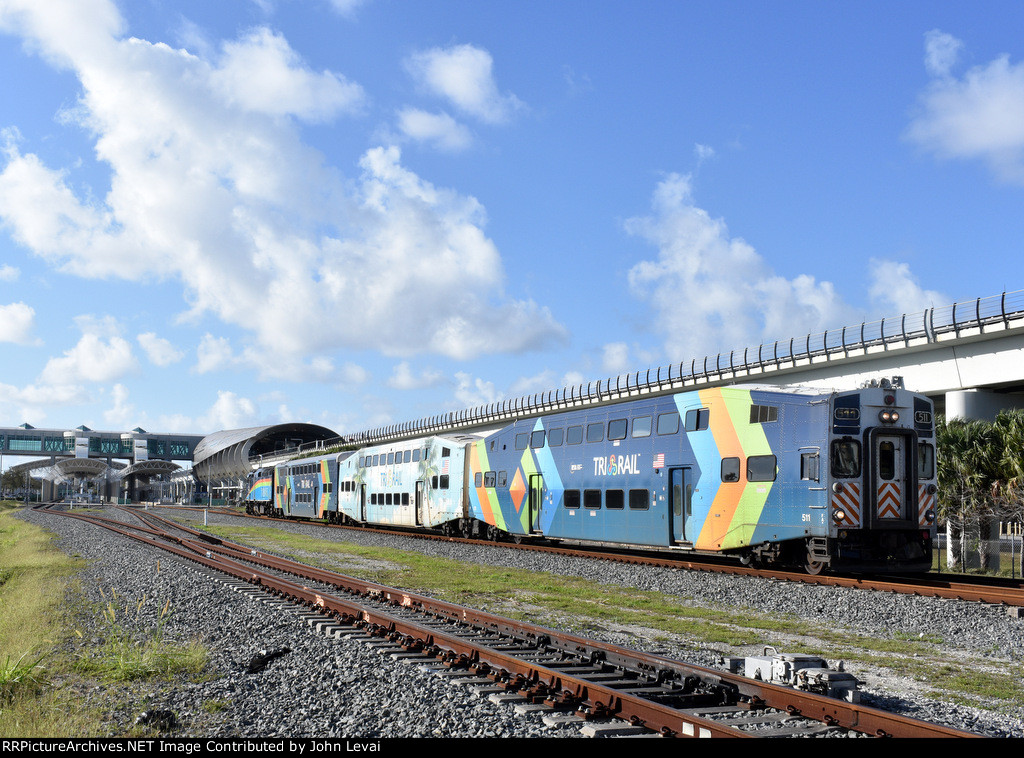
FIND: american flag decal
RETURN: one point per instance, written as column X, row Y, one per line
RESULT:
column 444, row 466
column 659, row 460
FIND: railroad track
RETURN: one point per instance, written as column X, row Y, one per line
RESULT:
column 566, row 673
column 994, row 591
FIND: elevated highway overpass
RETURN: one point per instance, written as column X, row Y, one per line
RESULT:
column 968, row 357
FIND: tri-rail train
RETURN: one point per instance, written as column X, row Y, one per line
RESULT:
column 824, row 480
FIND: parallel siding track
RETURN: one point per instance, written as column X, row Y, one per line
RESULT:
column 569, row 673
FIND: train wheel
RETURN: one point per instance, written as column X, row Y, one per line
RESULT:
column 812, row 566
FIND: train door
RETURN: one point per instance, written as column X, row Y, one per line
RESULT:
column 419, row 502
column 680, row 495
column 891, row 460
column 535, row 502
column 362, row 503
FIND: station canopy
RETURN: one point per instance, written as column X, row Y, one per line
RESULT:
column 232, row 454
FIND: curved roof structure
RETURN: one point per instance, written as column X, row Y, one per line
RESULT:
column 148, row 468
column 228, row 454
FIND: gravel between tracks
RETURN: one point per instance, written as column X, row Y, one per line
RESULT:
column 327, row 688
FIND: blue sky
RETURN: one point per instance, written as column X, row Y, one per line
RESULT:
column 354, row 213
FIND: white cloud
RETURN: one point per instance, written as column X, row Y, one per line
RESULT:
column 894, row 289
column 32, row 402
column 438, row 129
column 159, row 351
column 732, row 299
column 462, row 74
column 9, row 273
column 230, row 412
column 977, row 116
column 100, row 355
column 262, row 74
column 121, row 414
column 615, row 357
column 941, row 52
column 403, row 378
column 209, row 177
column 17, row 321
column 471, row 393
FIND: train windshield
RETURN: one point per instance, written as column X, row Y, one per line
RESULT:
column 845, row 458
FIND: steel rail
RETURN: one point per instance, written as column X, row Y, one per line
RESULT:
column 947, row 586
column 456, row 651
column 661, row 718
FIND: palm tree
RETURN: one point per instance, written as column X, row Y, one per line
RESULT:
column 1009, row 426
column 969, row 469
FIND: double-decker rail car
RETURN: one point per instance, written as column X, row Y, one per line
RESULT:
column 306, row 487
column 419, row 483
column 796, row 477
column 819, row 479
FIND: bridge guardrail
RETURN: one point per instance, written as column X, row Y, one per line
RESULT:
column 928, row 325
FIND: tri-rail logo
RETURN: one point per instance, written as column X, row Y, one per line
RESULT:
column 616, row 464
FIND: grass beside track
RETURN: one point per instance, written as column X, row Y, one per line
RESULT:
column 45, row 662
column 583, row 605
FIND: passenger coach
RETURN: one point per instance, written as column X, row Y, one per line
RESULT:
column 796, row 477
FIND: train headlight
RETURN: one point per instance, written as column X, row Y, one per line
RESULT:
column 929, row 516
column 888, row 417
column 837, row 487
column 839, row 515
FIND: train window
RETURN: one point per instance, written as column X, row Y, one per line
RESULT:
column 591, row 498
column 537, row 438
column 387, row 499
column 415, row 455
column 887, row 460
column 595, row 432
column 697, row 419
column 572, row 499
column 845, row 458
column 730, row 469
column 763, row 414
column 617, row 429
column 444, row 481
column 615, row 499
column 405, row 498
column 574, row 435
column 809, row 467
column 502, row 478
column 639, row 500
column 407, row 457
column 668, row 423
column 433, row 482
column 362, row 458
column 489, row 479
column 522, row 440
column 391, row 458
column 478, row 479
column 373, row 461
column 925, row 461
column 445, row 452
column 761, row 468
column 642, row 426
column 555, row 437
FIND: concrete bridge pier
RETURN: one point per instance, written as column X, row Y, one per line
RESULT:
column 979, row 404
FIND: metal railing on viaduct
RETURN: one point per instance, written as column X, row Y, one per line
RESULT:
column 928, row 326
